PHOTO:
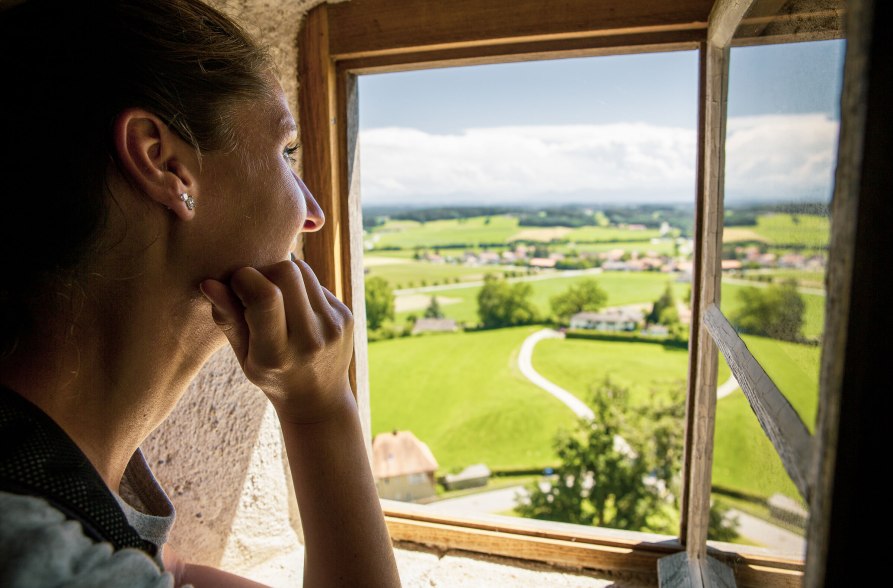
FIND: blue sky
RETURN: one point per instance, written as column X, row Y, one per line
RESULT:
column 604, row 129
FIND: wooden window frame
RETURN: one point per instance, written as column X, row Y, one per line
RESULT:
column 339, row 42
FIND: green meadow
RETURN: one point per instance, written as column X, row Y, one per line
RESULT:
column 411, row 234
column 622, row 288
column 411, row 274
column 463, row 395
column 801, row 230
column 744, row 459
column 813, row 314
column 481, row 230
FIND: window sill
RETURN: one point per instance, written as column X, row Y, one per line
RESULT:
column 573, row 547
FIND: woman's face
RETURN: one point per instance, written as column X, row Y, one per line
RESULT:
column 252, row 203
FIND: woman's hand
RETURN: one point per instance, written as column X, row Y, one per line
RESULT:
column 292, row 337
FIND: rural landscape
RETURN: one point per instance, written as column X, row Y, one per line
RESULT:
column 470, row 310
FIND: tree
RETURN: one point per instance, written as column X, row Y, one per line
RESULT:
column 666, row 301
column 379, row 302
column 501, row 304
column 585, row 295
column 600, row 480
column 622, row 468
column 433, row 310
column 775, row 311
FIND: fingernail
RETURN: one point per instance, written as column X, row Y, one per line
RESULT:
column 201, row 288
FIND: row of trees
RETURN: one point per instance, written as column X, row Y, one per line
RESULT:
column 501, row 304
column 776, row 311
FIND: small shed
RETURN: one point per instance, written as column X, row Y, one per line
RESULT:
column 434, row 325
column 403, row 467
column 471, row 477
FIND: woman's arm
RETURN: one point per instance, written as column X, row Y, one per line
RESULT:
column 294, row 340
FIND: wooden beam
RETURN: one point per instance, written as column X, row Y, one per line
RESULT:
column 786, row 21
column 725, row 17
column 362, row 28
column 678, row 571
column 853, row 419
column 701, row 403
column 329, row 167
column 321, row 166
column 779, row 420
column 526, row 51
column 575, row 546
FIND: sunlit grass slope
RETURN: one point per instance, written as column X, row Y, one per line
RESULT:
column 744, row 459
column 463, row 395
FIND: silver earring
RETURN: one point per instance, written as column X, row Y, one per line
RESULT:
column 189, row 200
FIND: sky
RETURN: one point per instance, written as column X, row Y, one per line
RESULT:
column 599, row 130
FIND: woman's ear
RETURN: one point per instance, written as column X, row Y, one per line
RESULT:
column 156, row 161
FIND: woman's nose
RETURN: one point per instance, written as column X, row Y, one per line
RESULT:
column 316, row 218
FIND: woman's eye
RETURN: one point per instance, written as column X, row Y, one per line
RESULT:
column 289, row 153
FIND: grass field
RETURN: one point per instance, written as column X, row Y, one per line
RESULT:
column 808, row 231
column 463, row 395
column 608, row 234
column 494, row 229
column 744, row 459
column 622, row 288
column 411, row 274
column 813, row 314
column 410, row 234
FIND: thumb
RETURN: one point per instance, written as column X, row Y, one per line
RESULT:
column 228, row 314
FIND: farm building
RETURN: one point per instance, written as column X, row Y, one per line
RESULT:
column 403, row 467
column 434, row 325
column 610, row 320
column 471, row 477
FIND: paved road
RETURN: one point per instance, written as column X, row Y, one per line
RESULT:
column 494, row 501
column 505, row 499
column 727, row 387
column 526, row 366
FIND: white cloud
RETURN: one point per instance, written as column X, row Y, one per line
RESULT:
column 623, row 161
column 781, row 156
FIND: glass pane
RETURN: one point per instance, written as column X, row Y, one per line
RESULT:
column 526, row 219
column 781, row 149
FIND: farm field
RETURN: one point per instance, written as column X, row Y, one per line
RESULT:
column 808, row 232
column 410, row 234
column 622, row 288
column 463, row 395
column 408, row 273
column 617, row 235
column 804, row 278
column 493, row 230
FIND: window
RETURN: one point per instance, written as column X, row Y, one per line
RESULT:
column 340, row 42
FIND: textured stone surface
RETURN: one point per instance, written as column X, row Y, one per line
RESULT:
column 426, row 569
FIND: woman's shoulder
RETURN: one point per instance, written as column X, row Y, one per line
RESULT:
column 40, row 547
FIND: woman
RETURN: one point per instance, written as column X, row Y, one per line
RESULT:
column 149, row 210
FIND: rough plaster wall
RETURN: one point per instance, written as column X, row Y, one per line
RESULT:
column 220, row 455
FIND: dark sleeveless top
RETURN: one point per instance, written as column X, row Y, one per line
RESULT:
column 37, row 458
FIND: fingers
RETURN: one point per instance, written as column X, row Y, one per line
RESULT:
column 228, row 314
column 298, row 308
column 264, row 314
